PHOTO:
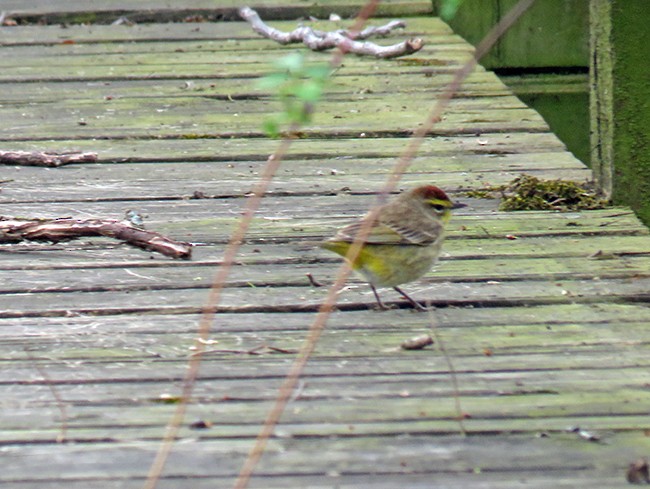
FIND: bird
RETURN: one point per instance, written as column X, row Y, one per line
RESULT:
column 404, row 241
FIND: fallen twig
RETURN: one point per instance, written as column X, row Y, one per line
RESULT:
column 44, row 158
column 319, row 40
column 55, row 230
column 313, row 281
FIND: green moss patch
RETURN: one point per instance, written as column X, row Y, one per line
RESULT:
column 528, row 193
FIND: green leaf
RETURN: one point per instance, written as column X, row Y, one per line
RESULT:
column 298, row 88
column 272, row 81
column 293, row 63
column 309, row 91
column 271, row 128
column 319, row 72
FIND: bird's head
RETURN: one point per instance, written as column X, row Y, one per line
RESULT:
column 436, row 200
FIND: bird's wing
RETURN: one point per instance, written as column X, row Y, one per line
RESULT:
column 422, row 237
column 385, row 233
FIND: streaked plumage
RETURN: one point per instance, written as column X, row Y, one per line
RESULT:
column 404, row 240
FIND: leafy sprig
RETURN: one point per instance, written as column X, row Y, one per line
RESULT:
column 299, row 87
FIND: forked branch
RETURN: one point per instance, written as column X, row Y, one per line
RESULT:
column 44, row 158
column 55, row 230
column 319, row 40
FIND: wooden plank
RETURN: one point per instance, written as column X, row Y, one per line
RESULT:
column 420, row 422
column 603, row 315
column 204, row 148
column 252, row 298
column 449, row 460
column 161, row 119
column 160, row 11
column 185, row 42
column 479, row 84
column 99, row 255
column 97, row 352
column 159, row 181
column 204, row 69
column 165, row 32
column 292, row 271
column 210, row 219
column 163, row 374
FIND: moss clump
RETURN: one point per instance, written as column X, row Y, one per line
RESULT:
column 527, row 193
column 483, row 193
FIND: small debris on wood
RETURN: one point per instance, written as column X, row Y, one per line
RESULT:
column 123, row 21
column 207, row 342
column 585, row 435
column 195, row 19
column 200, row 425
column 166, row 398
column 134, row 218
column 253, row 351
column 313, row 281
column 638, row 473
column 600, row 255
column 39, row 158
column 199, row 194
column 319, row 40
column 417, row 342
column 284, row 351
column 66, row 229
column 6, row 20
column 258, row 350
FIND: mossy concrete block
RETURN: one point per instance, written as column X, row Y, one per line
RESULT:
column 619, row 102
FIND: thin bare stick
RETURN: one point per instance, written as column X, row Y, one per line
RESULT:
column 317, row 327
column 460, row 416
column 60, row 404
column 315, row 330
column 450, row 90
column 210, row 309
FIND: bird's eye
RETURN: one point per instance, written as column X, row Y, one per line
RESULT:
column 438, row 207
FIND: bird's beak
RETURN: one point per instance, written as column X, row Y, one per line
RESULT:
column 458, row 205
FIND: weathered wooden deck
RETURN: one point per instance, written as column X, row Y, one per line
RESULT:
column 543, row 336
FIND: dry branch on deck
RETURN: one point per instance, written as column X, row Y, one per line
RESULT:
column 43, row 158
column 319, row 40
column 65, row 229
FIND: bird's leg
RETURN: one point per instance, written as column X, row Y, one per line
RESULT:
column 381, row 305
column 415, row 304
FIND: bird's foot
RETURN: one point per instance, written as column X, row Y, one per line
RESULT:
column 416, row 305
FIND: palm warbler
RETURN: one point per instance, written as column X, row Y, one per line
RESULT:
column 404, row 241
